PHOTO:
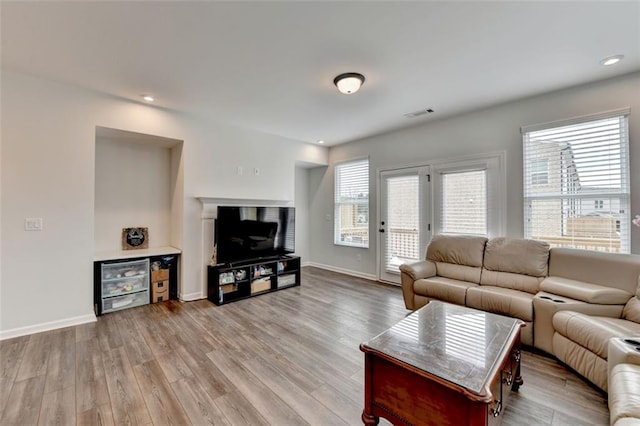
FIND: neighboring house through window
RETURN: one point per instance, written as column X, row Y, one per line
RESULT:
column 583, row 202
column 540, row 172
column 351, row 227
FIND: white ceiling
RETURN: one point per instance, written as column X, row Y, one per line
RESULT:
column 270, row 65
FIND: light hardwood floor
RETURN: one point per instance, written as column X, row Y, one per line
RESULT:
column 286, row 358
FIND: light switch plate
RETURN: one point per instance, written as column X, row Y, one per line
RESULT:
column 33, row 224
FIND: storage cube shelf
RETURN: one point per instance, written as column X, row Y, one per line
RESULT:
column 123, row 302
column 228, row 283
column 122, row 283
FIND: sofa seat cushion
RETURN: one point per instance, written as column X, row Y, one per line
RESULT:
column 501, row 300
column 592, row 333
column 579, row 290
column 627, row 421
column 586, row 363
column 624, row 393
column 445, row 289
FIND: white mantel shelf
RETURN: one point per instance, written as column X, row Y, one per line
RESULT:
column 132, row 254
column 244, row 201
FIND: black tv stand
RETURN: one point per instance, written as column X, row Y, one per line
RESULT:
column 239, row 280
column 252, row 261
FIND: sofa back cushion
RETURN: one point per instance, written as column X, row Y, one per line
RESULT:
column 607, row 269
column 457, row 256
column 510, row 280
column 515, row 263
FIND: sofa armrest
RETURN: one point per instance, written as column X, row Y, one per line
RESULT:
column 621, row 352
column 409, row 273
column 586, row 292
column 419, row 270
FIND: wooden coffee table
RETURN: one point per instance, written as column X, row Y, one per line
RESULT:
column 442, row 365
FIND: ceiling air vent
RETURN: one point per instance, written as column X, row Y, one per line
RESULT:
column 419, row 113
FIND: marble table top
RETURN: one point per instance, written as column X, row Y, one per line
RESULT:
column 457, row 344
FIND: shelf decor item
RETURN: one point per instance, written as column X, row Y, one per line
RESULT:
column 135, row 238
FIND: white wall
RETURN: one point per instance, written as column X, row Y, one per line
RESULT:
column 48, row 139
column 301, row 203
column 489, row 130
column 132, row 189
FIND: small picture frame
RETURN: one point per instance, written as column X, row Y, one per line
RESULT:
column 135, row 238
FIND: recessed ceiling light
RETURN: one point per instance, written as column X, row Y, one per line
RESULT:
column 320, row 141
column 148, row 98
column 611, row 60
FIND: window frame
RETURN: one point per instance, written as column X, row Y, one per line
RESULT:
column 594, row 197
column 494, row 164
column 359, row 206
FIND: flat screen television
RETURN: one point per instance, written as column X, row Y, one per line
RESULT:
column 247, row 233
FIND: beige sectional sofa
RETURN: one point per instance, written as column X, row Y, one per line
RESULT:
column 499, row 275
column 624, row 381
column 572, row 301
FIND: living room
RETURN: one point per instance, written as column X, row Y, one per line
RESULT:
column 49, row 125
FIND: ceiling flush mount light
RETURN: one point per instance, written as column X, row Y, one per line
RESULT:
column 320, row 141
column 147, row 98
column 349, row 82
column 611, row 60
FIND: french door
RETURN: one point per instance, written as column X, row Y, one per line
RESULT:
column 404, row 219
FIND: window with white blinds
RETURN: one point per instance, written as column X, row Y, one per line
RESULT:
column 464, row 202
column 352, row 204
column 470, row 195
column 583, row 202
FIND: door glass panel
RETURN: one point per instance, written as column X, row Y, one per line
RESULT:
column 464, row 202
column 403, row 221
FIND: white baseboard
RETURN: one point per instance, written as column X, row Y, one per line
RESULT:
column 47, row 326
column 190, row 297
column 343, row 271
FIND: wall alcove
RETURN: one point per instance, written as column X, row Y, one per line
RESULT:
column 138, row 183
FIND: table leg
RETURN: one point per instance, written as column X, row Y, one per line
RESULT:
column 518, row 381
column 369, row 419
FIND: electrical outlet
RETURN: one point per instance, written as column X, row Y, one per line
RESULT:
column 33, row 224
column 358, row 257
column 240, row 170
